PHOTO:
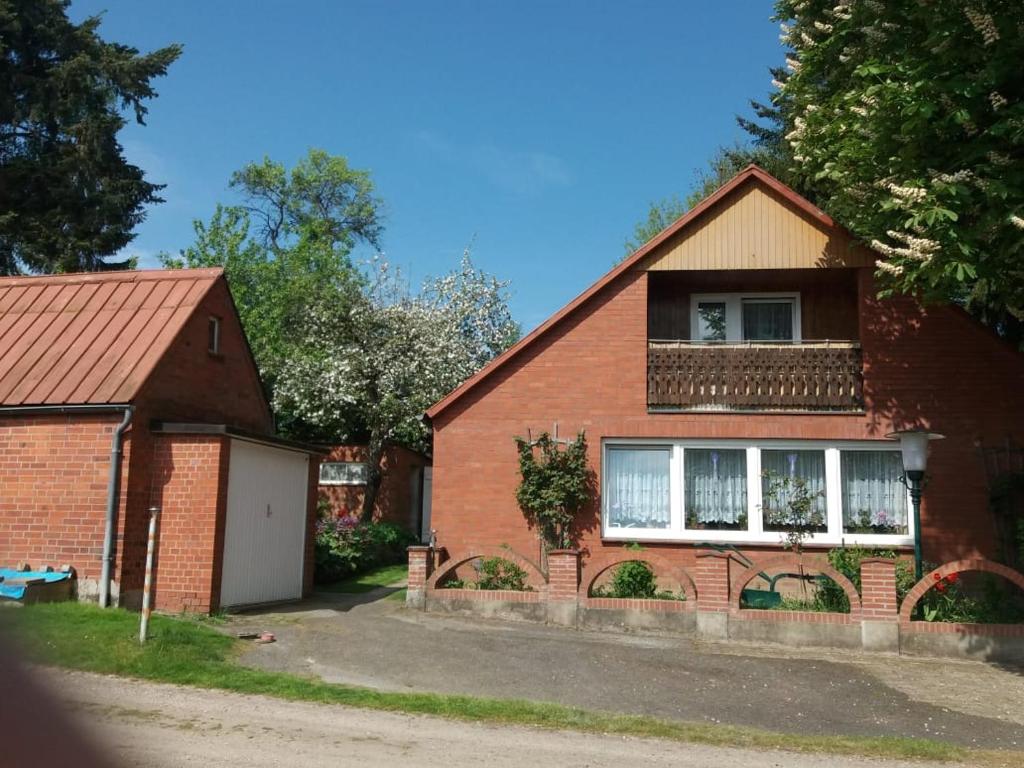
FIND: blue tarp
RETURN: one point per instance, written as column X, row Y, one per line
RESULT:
column 13, row 583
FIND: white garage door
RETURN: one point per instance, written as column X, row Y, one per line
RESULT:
column 264, row 538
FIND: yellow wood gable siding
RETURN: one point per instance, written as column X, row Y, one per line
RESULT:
column 755, row 228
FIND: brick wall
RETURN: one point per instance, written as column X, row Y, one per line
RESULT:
column 589, row 372
column 53, row 490
column 189, row 485
column 395, row 502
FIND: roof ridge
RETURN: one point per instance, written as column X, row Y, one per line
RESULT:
column 117, row 275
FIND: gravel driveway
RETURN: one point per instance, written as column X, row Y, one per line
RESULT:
column 364, row 640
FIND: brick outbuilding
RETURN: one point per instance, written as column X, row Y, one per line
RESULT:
column 125, row 391
column 400, row 500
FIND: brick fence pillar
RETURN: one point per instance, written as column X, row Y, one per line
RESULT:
column 421, row 565
column 563, row 586
column 713, row 593
column 879, row 627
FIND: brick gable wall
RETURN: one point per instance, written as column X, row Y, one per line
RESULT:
column 589, row 372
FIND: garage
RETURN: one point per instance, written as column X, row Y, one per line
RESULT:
column 126, row 396
column 265, row 528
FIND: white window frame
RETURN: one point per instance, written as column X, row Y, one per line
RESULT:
column 213, row 346
column 755, row 533
column 734, row 314
column 362, row 464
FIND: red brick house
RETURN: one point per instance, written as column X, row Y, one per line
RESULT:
column 122, row 391
column 400, row 497
column 746, row 337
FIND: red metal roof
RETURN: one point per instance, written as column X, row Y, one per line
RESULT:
column 749, row 174
column 91, row 338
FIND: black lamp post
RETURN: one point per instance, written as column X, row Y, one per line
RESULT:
column 914, row 446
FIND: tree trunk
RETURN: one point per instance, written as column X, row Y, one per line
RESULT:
column 374, row 474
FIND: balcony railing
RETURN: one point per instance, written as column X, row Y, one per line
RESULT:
column 807, row 376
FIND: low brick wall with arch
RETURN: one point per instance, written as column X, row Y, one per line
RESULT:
column 928, row 583
column 595, row 567
column 793, row 562
column 562, row 596
column 537, row 578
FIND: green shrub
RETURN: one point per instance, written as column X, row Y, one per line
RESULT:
column 632, row 579
column 497, row 573
column 346, row 547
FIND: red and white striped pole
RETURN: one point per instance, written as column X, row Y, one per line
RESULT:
column 154, row 512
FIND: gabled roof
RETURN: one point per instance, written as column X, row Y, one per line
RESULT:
column 750, row 174
column 91, row 338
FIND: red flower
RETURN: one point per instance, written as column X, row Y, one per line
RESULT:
column 941, row 586
column 952, row 578
column 936, row 577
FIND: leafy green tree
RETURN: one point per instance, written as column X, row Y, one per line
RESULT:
column 68, row 197
column 287, row 250
column 908, row 117
column 556, row 485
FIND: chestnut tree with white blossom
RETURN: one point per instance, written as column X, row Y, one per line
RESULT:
column 373, row 366
column 906, row 118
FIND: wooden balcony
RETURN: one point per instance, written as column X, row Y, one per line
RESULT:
column 807, row 376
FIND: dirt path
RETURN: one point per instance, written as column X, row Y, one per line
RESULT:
column 157, row 726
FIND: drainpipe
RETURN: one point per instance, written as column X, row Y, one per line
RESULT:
column 113, row 487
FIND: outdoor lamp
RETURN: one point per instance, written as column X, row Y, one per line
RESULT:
column 914, row 446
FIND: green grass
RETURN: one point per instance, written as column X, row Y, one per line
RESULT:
column 187, row 652
column 364, row 582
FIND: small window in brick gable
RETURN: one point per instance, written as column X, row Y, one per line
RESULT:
column 213, row 336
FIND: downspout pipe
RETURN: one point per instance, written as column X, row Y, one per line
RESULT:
column 113, row 494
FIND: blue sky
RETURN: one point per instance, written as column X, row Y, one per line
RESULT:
column 540, row 131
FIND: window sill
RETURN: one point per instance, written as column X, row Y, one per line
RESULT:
column 755, row 539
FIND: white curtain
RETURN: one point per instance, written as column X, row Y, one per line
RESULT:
column 637, row 487
column 872, row 492
column 715, row 485
column 809, row 465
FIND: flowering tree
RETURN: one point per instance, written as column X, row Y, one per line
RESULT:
column 371, row 367
column 907, row 118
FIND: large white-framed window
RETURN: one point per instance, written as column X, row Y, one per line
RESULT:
column 739, row 317
column 734, row 490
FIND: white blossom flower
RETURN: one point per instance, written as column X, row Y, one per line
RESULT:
column 1017, row 221
column 887, row 266
column 997, row 100
column 984, row 24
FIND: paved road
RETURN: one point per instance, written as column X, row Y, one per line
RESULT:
column 163, row 726
column 382, row 645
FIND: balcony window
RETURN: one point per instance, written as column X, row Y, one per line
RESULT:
column 637, row 488
column 711, row 320
column 768, row 320
column 730, row 491
column 751, row 317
